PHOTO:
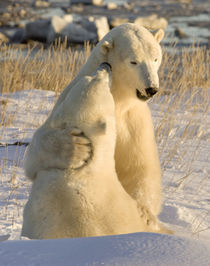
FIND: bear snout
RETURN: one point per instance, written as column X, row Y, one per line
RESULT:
column 151, row 91
column 106, row 65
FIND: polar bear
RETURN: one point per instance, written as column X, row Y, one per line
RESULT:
column 88, row 200
column 135, row 56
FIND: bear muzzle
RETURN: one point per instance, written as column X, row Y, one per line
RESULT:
column 149, row 92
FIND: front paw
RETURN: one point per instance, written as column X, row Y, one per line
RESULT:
column 152, row 222
column 81, row 149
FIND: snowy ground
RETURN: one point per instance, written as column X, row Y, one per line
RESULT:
column 186, row 203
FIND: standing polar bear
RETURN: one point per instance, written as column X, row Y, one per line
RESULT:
column 135, row 56
column 86, row 201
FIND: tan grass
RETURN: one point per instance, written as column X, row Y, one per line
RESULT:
column 34, row 67
column 185, row 79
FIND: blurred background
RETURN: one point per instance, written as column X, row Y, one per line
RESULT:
column 186, row 22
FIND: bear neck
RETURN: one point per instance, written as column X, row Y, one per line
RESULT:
column 122, row 104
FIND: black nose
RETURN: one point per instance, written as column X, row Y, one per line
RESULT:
column 106, row 65
column 151, row 91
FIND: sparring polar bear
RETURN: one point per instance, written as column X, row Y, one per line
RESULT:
column 88, row 200
column 135, row 56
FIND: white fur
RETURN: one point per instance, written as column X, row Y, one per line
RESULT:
column 89, row 200
column 136, row 156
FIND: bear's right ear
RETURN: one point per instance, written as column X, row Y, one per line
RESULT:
column 106, row 46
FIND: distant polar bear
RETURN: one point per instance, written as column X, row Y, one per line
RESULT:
column 135, row 56
column 88, row 200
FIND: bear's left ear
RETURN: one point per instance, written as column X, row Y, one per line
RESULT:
column 106, row 46
column 158, row 35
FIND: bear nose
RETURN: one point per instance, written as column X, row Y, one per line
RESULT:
column 106, row 66
column 151, row 91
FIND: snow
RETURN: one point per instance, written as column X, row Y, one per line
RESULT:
column 133, row 249
column 186, row 205
column 25, row 111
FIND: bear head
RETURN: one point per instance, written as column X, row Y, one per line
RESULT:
column 89, row 106
column 135, row 56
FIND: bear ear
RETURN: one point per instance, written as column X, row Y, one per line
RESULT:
column 106, row 46
column 158, row 35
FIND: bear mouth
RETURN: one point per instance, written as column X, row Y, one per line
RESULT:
column 140, row 96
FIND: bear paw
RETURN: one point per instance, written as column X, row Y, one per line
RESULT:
column 152, row 222
column 81, row 151
column 66, row 148
column 149, row 219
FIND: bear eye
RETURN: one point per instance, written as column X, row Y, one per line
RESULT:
column 156, row 59
column 133, row 63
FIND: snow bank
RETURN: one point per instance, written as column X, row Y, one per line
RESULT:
column 132, row 249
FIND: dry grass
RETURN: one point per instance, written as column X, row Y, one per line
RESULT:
column 53, row 68
column 184, row 78
column 39, row 68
